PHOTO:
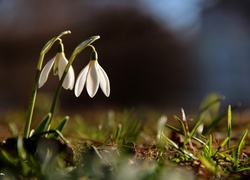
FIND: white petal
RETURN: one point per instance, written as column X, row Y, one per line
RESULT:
column 104, row 81
column 68, row 82
column 70, row 78
column 92, row 83
column 45, row 72
column 57, row 60
column 61, row 63
column 81, row 79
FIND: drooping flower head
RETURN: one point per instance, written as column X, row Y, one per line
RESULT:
column 92, row 75
column 59, row 62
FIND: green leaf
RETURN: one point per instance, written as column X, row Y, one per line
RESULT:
column 180, row 132
column 210, row 145
column 221, row 145
column 170, row 142
column 118, row 132
column 60, row 135
column 60, row 127
column 218, row 119
column 13, row 129
column 182, row 125
column 244, row 169
column 48, row 45
column 44, row 124
column 84, row 44
column 22, row 156
column 194, row 130
column 131, row 131
column 77, row 50
column 239, row 147
column 7, row 159
column 210, row 166
column 52, row 132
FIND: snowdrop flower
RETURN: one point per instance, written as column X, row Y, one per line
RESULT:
column 59, row 62
column 93, row 75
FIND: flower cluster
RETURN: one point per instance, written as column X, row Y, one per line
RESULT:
column 93, row 75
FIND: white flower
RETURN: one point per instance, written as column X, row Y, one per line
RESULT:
column 59, row 62
column 93, row 75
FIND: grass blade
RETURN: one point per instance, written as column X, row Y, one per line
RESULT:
column 239, row 147
column 211, row 167
column 210, row 145
column 183, row 127
column 180, row 132
column 170, row 142
column 118, row 132
column 217, row 120
column 194, row 130
column 221, row 145
column 187, row 137
column 229, row 125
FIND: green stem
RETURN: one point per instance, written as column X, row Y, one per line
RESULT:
column 77, row 50
column 93, row 48
column 59, row 87
column 45, row 49
column 58, row 90
column 31, row 106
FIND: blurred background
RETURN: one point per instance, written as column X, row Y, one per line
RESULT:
column 168, row 54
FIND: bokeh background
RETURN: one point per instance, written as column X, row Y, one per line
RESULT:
column 157, row 54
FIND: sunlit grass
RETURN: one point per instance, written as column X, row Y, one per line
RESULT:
column 120, row 145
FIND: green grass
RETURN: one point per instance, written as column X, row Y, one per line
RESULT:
column 126, row 145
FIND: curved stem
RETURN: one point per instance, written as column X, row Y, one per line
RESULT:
column 45, row 49
column 58, row 90
column 31, row 106
column 93, row 48
column 77, row 50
